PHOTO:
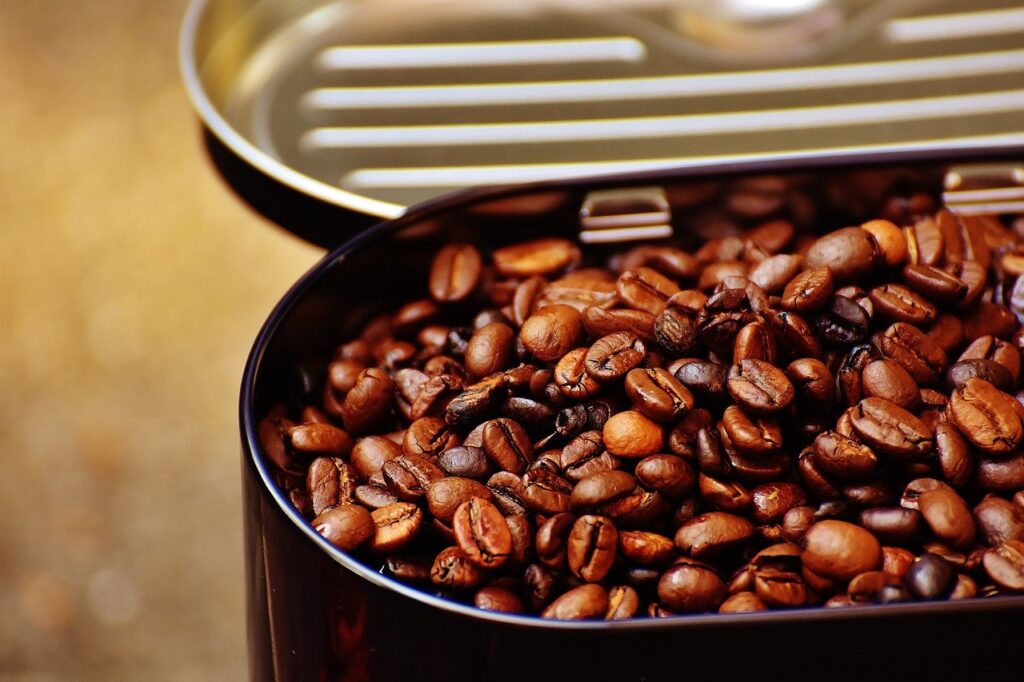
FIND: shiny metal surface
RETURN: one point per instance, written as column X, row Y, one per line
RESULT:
column 377, row 105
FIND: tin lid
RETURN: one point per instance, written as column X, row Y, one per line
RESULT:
column 374, row 105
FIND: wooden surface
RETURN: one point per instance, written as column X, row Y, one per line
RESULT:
column 133, row 283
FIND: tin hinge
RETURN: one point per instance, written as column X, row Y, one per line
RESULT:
column 985, row 189
column 626, row 214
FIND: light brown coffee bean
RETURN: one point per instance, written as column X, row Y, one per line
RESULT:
column 760, row 387
column 371, row 453
column 743, row 602
column 839, row 550
column 538, row 257
column 507, row 445
column 947, row 515
column 645, row 547
column 631, row 434
column 499, row 600
column 850, row 253
column 888, row 428
column 623, row 603
column 713, row 533
column 986, row 416
column 330, row 482
column 482, row 534
column 600, row 322
column 612, row 356
column 592, row 547
column 645, row 289
column 455, row 272
column 490, row 349
column 346, row 526
column 552, row 331
column 369, row 401
column 691, row 588
column 396, row 526
column 452, row 569
column 1005, row 565
column 445, row 496
column 580, row 603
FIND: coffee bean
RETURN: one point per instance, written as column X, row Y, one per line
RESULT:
column 705, row 379
column 954, row 455
column 498, row 599
column 476, row 401
column 631, row 434
column 409, row 476
column 464, row 462
column 445, row 496
column 1005, row 565
column 552, row 331
column 931, row 577
column 396, row 526
column 987, row 370
column 452, row 569
column 839, row 550
column 581, row 603
column 751, row 435
column 429, row 437
column 482, row 534
column 713, row 533
column 455, row 272
column 623, row 603
column 592, row 547
column 850, row 253
column 645, row 289
column 888, row 379
column 612, row 356
column 919, row 355
column 671, row 476
column 947, row 515
column 602, row 488
column 999, row 520
column 489, row 349
column 691, row 588
column 346, row 526
column 507, row 445
column 644, row 547
column 539, row 257
column 760, row 387
column 600, row 322
column 371, row 453
column 572, row 378
column 986, row 416
column 330, row 482
column 780, row 589
column 657, row 394
column 1003, row 474
column 889, row 428
column 743, row 602
column 894, row 525
column 546, row 492
column 842, row 322
column 551, row 541
column 770, row 502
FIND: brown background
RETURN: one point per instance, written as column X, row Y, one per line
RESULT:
column 133, row 283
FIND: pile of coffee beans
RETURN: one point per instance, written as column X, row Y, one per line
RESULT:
column 772, row 420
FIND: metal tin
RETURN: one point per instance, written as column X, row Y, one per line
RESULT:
column 317, row 613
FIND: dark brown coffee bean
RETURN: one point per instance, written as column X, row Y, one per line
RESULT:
column 329, row 483
column 918, row 354
column 581, row 603
column 602, row 488
column 592, row 547
column 990, row 348
column 931, row 577
column 612, row 356
column 934, row 283
column 552, row 331
column 476, row 402
column 455, row 272
column 779, row 588
column 986, row 416
column 888, row 379
column 645, row 289
column 631, row 434
column 843, row 458
column 600, row 322
column 947, row 515
column 538, row 257
column 893, row 525
column 813, row 383
column 452, row 569
column 963, row 239
column 751, row 435
column 545, row 492
column 657, row 394
column 999, row 520
column 465, row 462
column 796, row 522
column 585, row 456
column 808, row 291
column 842, row 322
column 498, row 599
column 429, row 437
column 771, row 501
column 1000, row 474
column 396, row 526
column 669, row 261
column 899, row 303
column 955, row 459
column 409, row 476
column 705, row 379
column 675, row 328
column 1005, row 565
column 551, row 542
column 988, row 370
column 445, row 496
column 346, row 526
column 507, row 445
column 839, row 550
column 623, row 603
column 755, row 340
column 691, row 588
column 489, row 349
column 482, row 534
column 888, row 428
column 760, row 387
column 671, row 476
column 850, row 253
column 572, row 378
column 713, row 533
column 644, row 547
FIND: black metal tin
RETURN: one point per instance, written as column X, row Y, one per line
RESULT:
column 318, row 614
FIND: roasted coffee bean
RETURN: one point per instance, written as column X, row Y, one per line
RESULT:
column 409, row 476
column 545, row 492
column 396, row 526
column 645, row 289
column 429, row 437
column 889, row 380
column 452, row 569
column 482, row 534
column 346, row 526
column 713, row 533
column 631, row 434
column 445, row 496
column 990, row 348
column 890, row 429
column 899, row 303
column 498, row 599
column 988, row 370
column 490, row 349
column 842, row 322
column 850, row 253
column 931, row 577
column 919, row 355
column 329, row 483
column 893, row 525
column 813, row 383
column 999, row 520
column 464, row 462
column 612, row 356
column 1005, row 565
column 779, row 588
column 919, row 486
column 947, row 515
column 585, row 455
column 572, row 378
column 592, row 547
column 374, row 496
column 691, row 587
column 657, row 394
column 552, row 331
column 751, row 435
column 455, row 272
column 581, row 603
column 705, row 379
column 771, row 501
column 600, row 322
column 955, row 459
column 808, row 291
column 476, row 402
column 986, row 416
column 507, row 445
column 551, row 542
column 370, row 454
column 839, row 550
column 671, row 476
column 623, row 602
column 934, row 283
column 760, row 387
column 602, row 488
column 675, row 328
column 539, row 257
column 796, row 522
column 644, row 547
column 1003, row 474
column 318, row 439
column 743, row 602
column 925, row 243
column 774, row 272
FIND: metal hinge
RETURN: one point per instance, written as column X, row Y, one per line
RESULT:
column 985, row 189
column 626, row 214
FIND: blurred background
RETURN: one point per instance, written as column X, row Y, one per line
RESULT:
column 133, row 284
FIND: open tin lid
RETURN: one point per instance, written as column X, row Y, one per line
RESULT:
column 328, row 116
